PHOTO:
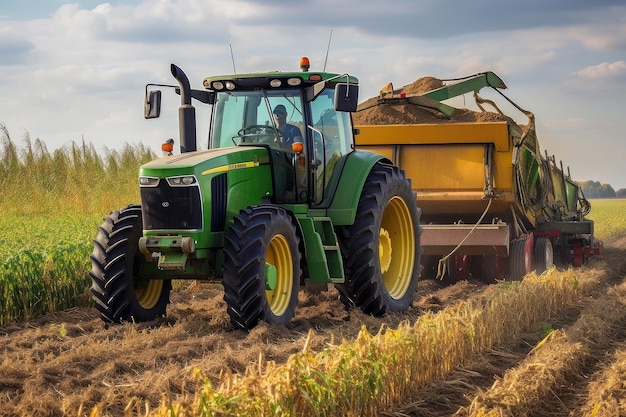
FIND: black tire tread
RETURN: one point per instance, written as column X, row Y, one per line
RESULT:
column 115, row 242
column 364, row 286
column 517, row 265
column 244, row 259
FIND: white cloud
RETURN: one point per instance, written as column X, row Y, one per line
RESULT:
column 81, row 71
column 606, row 35
column 606, row 71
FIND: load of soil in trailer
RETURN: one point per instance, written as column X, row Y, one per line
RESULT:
column 388, row 114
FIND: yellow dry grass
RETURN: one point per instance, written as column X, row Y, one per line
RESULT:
column 528, row 387
column 376, row 372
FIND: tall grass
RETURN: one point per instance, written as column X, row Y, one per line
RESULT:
column 74, row 178
column 51, row 205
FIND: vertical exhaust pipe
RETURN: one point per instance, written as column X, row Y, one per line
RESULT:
column 186, row 113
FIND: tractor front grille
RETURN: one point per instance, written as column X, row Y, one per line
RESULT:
column 219, row 193
column 165, row 207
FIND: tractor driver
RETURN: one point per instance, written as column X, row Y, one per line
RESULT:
column 289, row 133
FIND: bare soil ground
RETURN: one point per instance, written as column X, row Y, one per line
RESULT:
column 53, row 365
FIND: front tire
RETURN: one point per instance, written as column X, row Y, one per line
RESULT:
column 120, row 294
column 261, row 267
column 381, row 248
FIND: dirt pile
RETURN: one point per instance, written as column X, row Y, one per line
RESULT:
column 407, row 113
column 422, row 85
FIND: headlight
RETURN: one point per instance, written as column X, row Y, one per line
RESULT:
column 294, row 81
column 181, row 181
column 148, row 181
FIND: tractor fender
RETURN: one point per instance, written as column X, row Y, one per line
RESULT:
column 358, row 165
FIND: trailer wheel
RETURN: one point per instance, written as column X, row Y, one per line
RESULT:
column 429, row 266
column 261, row 267
column 489, row 268
column 544, row 254
column 381, row 248
column 520, row 258
column 121, row 293
column 457, row 269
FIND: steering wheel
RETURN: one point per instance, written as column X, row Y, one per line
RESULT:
column 258, row 134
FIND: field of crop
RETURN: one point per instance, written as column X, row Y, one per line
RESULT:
column 609, row 216
column 552, row 345
column 51, row 207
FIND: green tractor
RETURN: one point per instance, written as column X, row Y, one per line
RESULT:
column 265, row 209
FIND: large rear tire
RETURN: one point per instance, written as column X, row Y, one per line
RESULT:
column 119, row 292
column 381, row 249
column 261, row 267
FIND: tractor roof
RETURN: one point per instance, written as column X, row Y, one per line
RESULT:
column 273, row 79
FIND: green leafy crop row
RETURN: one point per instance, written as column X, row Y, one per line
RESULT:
column 51, row 205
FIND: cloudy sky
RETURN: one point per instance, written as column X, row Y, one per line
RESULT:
column 75, row 71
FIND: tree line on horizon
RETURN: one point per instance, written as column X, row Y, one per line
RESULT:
column 594, row 189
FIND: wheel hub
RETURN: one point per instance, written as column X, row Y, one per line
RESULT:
column 149, row 296
column 384, row 250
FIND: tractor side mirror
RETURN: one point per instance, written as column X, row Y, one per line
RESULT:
column 152, row 104
column 346, row 97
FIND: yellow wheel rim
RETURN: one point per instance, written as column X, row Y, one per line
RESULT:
column 149, row 296
column 384, row 250
column 397, row 247
column 279, row 255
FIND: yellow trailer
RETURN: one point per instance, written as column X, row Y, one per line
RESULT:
column 489, row 198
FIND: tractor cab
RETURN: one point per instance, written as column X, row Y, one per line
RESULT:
column 301, row 118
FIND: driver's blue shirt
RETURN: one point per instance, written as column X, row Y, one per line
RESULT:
column 289, row 133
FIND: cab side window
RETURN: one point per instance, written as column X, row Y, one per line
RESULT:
column 332, row 139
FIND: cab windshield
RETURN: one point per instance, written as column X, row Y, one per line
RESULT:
column 277, row 120
column 248, row 117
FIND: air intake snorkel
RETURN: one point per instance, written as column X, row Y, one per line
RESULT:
column 186, row 112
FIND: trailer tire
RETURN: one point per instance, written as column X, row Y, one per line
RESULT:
column 489, row 268
column 457, row 269
column 520, row 258
column 119, row 294
column 381, row 249
column 261, row 267
column 429, row 266
column 544, row 255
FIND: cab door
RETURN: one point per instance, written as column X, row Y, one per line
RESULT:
column 331, row 140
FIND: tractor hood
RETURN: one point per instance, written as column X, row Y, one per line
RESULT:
column 196, row 193
column 203, row 163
